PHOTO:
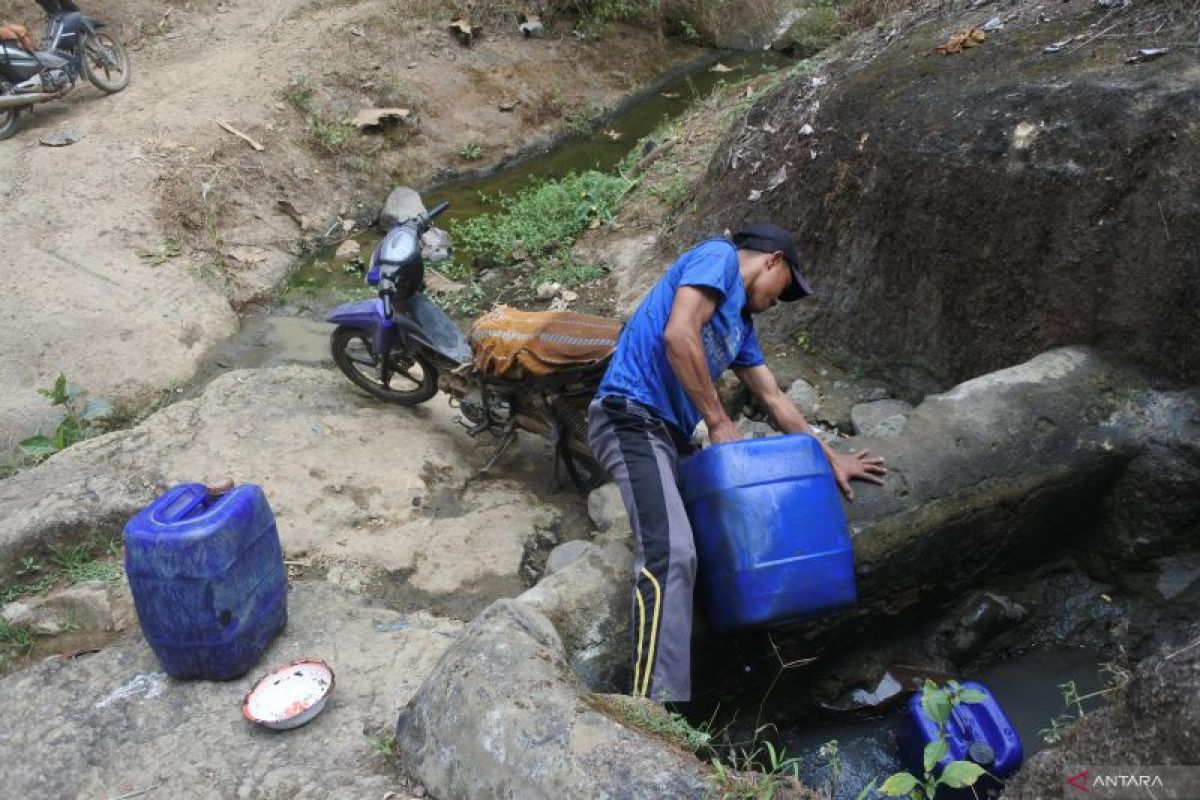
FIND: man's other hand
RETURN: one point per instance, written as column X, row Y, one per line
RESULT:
column 860, row 466
column 724, row 431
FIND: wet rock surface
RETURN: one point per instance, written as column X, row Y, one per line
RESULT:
column 502, row 716
column 126, row 726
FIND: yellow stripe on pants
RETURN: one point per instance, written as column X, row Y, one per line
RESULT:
column 653, row 632
column 637, row 662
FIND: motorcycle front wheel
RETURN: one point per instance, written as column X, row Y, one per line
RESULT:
column 9, row 120
column 408, row 380
column 105, row 62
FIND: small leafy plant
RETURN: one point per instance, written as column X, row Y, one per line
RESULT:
column 299, row 94
column 78, row 421
column 383, row 743
column 471, row 151
column 938, row 703
column 1073, row 701
column 330, row 134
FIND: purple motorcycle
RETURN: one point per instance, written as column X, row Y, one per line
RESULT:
column 402, row 348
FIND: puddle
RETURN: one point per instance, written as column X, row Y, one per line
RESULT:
column 1027, row 688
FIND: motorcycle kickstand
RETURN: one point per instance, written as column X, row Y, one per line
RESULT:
column 508, row 438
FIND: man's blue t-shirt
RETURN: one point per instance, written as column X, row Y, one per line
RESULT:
column 639, row 369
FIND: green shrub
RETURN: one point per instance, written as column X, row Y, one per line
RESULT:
column 330, row 134
column 554, row 212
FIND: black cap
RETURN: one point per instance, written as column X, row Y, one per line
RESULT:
column 768, row 238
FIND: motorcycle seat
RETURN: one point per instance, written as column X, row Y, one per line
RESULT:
column 511, row 344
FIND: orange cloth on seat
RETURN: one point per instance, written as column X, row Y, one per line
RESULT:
column 11, row 31
column 508, row 343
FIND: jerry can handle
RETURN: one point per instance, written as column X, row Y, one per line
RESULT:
column 187, row 497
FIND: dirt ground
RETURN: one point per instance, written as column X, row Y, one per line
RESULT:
column 173, row 225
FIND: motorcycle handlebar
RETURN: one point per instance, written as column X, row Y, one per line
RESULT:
column 428, row 216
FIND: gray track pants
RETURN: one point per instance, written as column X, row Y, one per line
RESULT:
column 641, row 453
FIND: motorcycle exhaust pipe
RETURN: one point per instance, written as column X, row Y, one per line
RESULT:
column 8, row 101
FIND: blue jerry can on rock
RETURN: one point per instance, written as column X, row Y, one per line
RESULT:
column 771, row 536
column 208, row 579
column 978, row 732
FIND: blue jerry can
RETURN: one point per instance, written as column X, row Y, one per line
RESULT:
column 978, row 732
column 771, row 536
column 208, row 579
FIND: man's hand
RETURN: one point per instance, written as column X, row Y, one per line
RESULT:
column 724, row 431
column 858, row 466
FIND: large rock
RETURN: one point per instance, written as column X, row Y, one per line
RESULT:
column 882, row 418
column 606, row 509
column 987, row 476
column 1054, row 205
column 402, row 203
column 501, row 717
column 111, row 724
column 374, row 494
column 588, row 601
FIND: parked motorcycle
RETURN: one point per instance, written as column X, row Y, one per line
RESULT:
column 402, row 348
column 73, row 46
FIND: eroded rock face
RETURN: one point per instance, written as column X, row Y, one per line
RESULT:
column 502, row 717
column 960, row 214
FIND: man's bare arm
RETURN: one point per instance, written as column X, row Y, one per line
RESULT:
column 693, row 307
column 846, row 467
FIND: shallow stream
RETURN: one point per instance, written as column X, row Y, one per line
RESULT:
column 293, row 330
column 1027, row 687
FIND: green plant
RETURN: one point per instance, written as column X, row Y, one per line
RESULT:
column 330, row 134
column 581, row 116
column 830, row 754
column 653, row 718
column 570, row 273
column 14, row 635
column 163, row 252
column 1073, row 701
column 465, row 303
column 83, row 562
column 618, row 10
column 299, row 93
column 552, row 212
column 78, row 421
column 28, row 567
column 763, row 771
column 938, row 704
column 471, row 151
column 690, row 34
column 383, row 743
column 804, row 343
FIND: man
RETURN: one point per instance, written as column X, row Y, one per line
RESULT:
column 692, row 326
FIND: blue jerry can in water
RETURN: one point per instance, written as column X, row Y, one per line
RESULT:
column 771, row 536
column 208, row 579
column 978, row 732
